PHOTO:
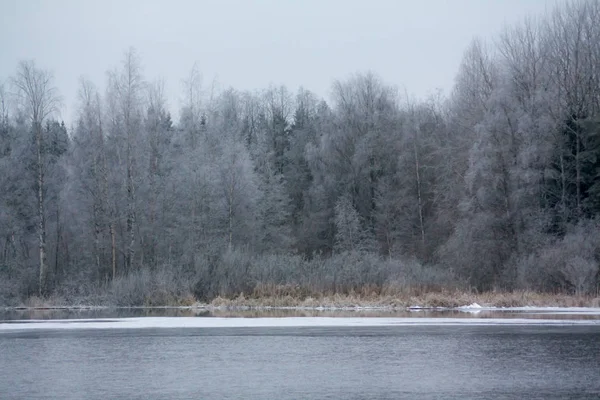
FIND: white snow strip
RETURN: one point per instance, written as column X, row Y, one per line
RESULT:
column 214, row 322
column 535, row 310
column 556, row 310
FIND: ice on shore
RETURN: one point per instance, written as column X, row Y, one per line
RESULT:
column 216, row 322
column 534, row 309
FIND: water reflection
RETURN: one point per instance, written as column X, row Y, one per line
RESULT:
column 37, row 314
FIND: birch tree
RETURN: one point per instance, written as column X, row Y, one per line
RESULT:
column 156, row 144
column 127, row 87
column 93, row 175
column 39, row 97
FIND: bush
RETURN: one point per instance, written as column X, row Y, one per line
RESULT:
column 569, row 264
column 166, row 286
column 278, row 275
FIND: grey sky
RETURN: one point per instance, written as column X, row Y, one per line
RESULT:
column 415, row 44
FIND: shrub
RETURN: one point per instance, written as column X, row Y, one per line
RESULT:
column 166, row 286
column 569, row 264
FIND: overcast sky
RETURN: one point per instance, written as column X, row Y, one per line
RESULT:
column 415, row 44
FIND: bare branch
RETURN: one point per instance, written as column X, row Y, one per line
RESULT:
column 36, row 92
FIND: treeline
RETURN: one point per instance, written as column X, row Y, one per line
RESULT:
column 496, row 186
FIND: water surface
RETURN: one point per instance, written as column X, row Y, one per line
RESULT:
column 318, row 362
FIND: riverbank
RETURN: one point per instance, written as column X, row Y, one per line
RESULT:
column 289, row 297
column 415, row 301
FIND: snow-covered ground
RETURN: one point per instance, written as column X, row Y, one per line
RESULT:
column 214, row 322
column 534, row 310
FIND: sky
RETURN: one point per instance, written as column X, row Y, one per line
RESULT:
column 416, row 45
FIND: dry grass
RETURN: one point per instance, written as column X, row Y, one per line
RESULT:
column 396, row 298
column 161, row 298
column 41, row 303
column 387, row 297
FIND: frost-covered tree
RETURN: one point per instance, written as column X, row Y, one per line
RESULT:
column 125, row 91
column 39, row 99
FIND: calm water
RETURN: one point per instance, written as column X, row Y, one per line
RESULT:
column 386, row 362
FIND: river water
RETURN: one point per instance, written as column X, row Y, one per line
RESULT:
column 388, row 361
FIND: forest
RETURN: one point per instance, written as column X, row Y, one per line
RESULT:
column 492, row 187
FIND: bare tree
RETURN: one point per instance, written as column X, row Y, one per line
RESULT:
column 192, row 114
column 39, row 97
column 157, row 126
column 128, row 86
column 3, row 106
column 366, row 115
column 90, row 123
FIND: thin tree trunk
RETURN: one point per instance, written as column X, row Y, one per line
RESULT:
column 130, row 207
column 14, row 251
column 107, row 210
column 513, row 231
column 153, row 199
column 193, row 230
column 578, row 172
column 41, row 213
column 97, row 227
column 231, row 210
column 372, row 190
column 230, row 225
column 419, row 195
column 113, row 250
column 563, row 194
column 57, row 241
column 5, row 249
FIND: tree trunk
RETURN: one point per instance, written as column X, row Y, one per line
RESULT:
column 56, row 263
column 153, row 207
column 419, row 196
column 130, row 257
column 231, row 184
column 193, row 230
column 113, row 250
column 106, row 209
column 97, row 227
column 578, row 172
column 563, row 193
column 41, row 212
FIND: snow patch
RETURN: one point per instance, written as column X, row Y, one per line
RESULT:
column 471, row 306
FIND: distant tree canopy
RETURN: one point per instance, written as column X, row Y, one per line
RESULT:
column 498, row 183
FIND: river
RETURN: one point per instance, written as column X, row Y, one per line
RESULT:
column 309, row 359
